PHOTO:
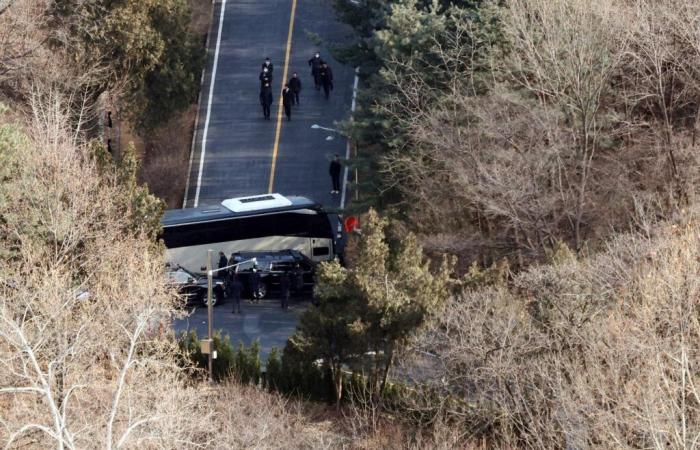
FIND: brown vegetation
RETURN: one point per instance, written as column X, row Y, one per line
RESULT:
column 580, row 119
column 599, row 352
column 86, row 356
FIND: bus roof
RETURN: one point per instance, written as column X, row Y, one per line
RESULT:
column 254, row 205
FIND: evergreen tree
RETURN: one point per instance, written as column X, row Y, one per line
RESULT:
column 143, row 45
column 376, row 305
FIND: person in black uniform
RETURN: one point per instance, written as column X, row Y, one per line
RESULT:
column 315, row 63
column 236, row 289
column 223, row 262
column 265, row 77
column 266, row 100
column 267, row 64
column 326, row 76
column 298, row 279
column 334, row 171
column 287, row 101
column 285, row 287
column 295, row 86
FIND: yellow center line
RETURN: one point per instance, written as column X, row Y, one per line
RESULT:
column 275, row 148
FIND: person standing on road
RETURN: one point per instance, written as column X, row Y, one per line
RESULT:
column 298, row 279
column 287, row 101
column 315, row 63
column 267, row 64
column 285, row 286
column 223, row 262
column 265, row 77
column 326, row 76
column 295, row 86
column 236, row 291
column 334, row 171
column 266, row 100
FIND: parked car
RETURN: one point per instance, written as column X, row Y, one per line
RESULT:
column 192, row 287
column 271, row 265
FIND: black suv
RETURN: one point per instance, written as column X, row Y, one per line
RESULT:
column 192, row 287
column 271, row 265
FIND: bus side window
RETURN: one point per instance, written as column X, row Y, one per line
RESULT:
column 320, row 251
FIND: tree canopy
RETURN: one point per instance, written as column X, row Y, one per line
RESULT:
column 376, row 305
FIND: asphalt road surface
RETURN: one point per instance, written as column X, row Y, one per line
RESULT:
column 234, row 147
column 266, row 322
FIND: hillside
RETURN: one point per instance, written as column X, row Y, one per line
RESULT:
column 525, row 275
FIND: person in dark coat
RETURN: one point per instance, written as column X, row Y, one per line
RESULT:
column 326, row 77
column 334, row 171
column 223, row 262
column 266, row 100
column 255, row 284
column 295, row 86
column 285, row 287
column 287, row 101
column 267, row 64
column 315, row 63
column 265, row 78
column 236, row 289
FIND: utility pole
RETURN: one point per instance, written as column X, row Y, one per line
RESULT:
column 210, row 316
column 207, row 345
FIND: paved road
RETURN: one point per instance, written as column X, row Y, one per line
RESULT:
column 236, row 142
column 266, row 322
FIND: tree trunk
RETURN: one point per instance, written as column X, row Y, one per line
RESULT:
column 337, row 383
column 4, row 4
column 387, row 366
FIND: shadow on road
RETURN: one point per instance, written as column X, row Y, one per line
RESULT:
column 265, row 321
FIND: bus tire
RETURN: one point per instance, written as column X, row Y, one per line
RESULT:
column 262, row 290
column 217, row 298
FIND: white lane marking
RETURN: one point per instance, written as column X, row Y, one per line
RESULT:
column 211, row 94
column 196, row 123
column 347, row 146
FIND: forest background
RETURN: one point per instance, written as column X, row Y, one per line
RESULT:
column 529, row 279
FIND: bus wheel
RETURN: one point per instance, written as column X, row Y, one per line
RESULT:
column 262, row 290
column 215, row 298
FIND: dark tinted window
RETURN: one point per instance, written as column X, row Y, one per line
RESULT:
column 283, row 224
column 320, row 251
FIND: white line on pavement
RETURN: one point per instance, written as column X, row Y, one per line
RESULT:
column 347, row 146
column 211, row 94
column 196, row 123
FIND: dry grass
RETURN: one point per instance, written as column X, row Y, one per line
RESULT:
column 596, row 352
column 165, row 159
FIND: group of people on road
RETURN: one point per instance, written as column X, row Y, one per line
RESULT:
column 320, row 71
column 323, row 79
column 288, row 280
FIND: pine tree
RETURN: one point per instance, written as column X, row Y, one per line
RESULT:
column 376, row 305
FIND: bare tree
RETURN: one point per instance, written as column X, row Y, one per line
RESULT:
column 582, row 353
column 567, row 51
column 84, row 355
